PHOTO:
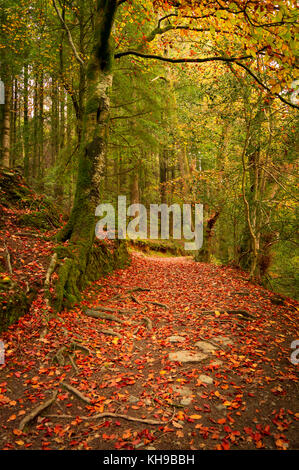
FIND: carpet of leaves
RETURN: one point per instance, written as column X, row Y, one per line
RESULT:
column 251, row 403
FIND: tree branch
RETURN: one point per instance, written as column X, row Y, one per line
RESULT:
column 64, row 25
column 293, row 105
column 181, row 60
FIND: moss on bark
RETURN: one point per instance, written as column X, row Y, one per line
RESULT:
column 81, row 265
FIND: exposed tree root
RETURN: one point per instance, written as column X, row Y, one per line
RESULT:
column 115, row 297
column 102, row 315
column 228, row 320
column 49, row 273
column 127, row 417
column 217, row 345
column 80, row 346
column 114, row 310
column 139, row 289
column 157, row 303
column 106, row 309
column 135, row 300
column 148, row 322
column 73, row 363
column 36, row 411
column 110, row 333
column 113, row 415
column 240, row 293
column 8, row 259
column 60, row 356
column 76, row 392
column 50, row 270
column 65, row 352
column 243, row 313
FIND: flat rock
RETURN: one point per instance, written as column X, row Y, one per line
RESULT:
column 223, row 339
column 183, row 391
column 217, row 362
column 206, row 379
column 176, row 339
column 186, row 401
column 186, row 356
column 133, row 399
column 205, row 346
column 221, row 407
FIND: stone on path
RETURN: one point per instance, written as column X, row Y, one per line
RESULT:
column 183, row 391
column 206, row 379
column 205, row 346
column 186, row 356
column 176, row 339
column 133, row 399
column 223, row 339
column 221, row 407
column 217, row 362
column 186, row 401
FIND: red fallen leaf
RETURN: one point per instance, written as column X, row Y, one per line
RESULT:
column 257, row 436
column 267, row 429
column 167, row 429
column 20, row 443
column 221, row 421
column 12, row 418
column 225, row 445
column 248, row 430
column 259, row 444
column 73, row 443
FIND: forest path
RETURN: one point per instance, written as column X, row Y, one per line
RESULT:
column 207, row 379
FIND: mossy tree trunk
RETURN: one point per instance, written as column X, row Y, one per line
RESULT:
column 250, row 246
column 26, row 122
column 74, row 272
column 6, row 126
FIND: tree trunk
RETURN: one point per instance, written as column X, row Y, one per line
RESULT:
column 13, row 138
column 35, row 130
column 163, row 174
column 41, row 131
column 79, row 265
column 26, row 127
column 6, row 127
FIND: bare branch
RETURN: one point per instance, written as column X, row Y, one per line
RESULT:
column 64, row 25
column 293, row 105
column 181, row 60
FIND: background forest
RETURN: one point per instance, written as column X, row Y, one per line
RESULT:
column 208, row 133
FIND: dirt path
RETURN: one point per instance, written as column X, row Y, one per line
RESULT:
column 237, row 389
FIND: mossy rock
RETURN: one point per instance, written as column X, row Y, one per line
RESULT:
column 38, row 220
column 16, row 194
column 13, row 304
column 171, row 247
column 76, row 272
column 13, row 189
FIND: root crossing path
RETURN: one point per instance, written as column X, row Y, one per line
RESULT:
column 166, row 354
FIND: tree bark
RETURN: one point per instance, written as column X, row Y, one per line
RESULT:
column 6, row 127
column 26, row 127
column 80, row 229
